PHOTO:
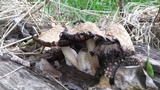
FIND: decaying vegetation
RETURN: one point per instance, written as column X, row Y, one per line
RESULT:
column 82, row 55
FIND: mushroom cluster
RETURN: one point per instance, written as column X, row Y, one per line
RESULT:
column 114, row 51
column 106, row 50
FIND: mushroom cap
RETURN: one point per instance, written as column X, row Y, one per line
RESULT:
column 117, row 31
column 86, row 27
column 113, row 50
column 52, row 34
column 52, row 37
column 83, row 31
column 117, row 41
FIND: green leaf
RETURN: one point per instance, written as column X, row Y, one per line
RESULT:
column 149, row 68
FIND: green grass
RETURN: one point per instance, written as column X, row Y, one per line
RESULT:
column 96, row 5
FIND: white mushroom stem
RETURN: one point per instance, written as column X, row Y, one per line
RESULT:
column 83, row 61
column 69, row 55
column 93, row 60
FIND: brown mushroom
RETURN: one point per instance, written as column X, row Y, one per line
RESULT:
column 55, row 40
column 112, row 51
column 87, row 32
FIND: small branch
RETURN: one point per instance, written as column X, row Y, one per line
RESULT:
column 121, row 7
column 156, row 16
column 15, row 42
column 11, row 72
column 59, row 83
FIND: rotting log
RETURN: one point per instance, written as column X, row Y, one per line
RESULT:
column 23, row 78
column 78, row 79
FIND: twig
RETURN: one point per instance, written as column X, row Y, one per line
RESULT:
column 59, row 6
column 59, row 83
column 114, row 17
column 12, row 16
column 11, row 72
column 121, row 7
column 15, row 42
column 156, row 16
column 17, row 59
column 27, row 53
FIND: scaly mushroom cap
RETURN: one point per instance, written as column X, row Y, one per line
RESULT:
column 55, row 40
column 112, row 51
column 83, row 32
column 52, row 37
column 118, row 38
column 117, row 31
column 86, row 27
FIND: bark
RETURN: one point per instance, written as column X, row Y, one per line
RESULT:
column 23, row 78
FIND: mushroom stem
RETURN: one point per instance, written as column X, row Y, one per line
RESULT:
column 83, row 61
column 93, row 60
column 69, row 55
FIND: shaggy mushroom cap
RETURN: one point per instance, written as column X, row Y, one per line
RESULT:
column 82, row 32
column 117, row 31
column 52, row 38
column 113, row 51
column 116, row 39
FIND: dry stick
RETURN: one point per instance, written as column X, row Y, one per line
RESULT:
column 10, row 24
column 156, row 16
column 11, row 72
column 19, row 60
column 121, row 7
column 95, row 11
column 12, row 16
column 27, row 53
column 59, row 6
column 114, row 17
column 37, row 31
column 7, row 11
column 30, row 14
column 60, row 83
column 15, row 42
column 25, row 15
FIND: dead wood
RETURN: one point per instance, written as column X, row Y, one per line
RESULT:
column 15, row 76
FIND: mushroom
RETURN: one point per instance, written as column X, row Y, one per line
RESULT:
column 113, row 50
column 51, row 38
column 85, row 32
